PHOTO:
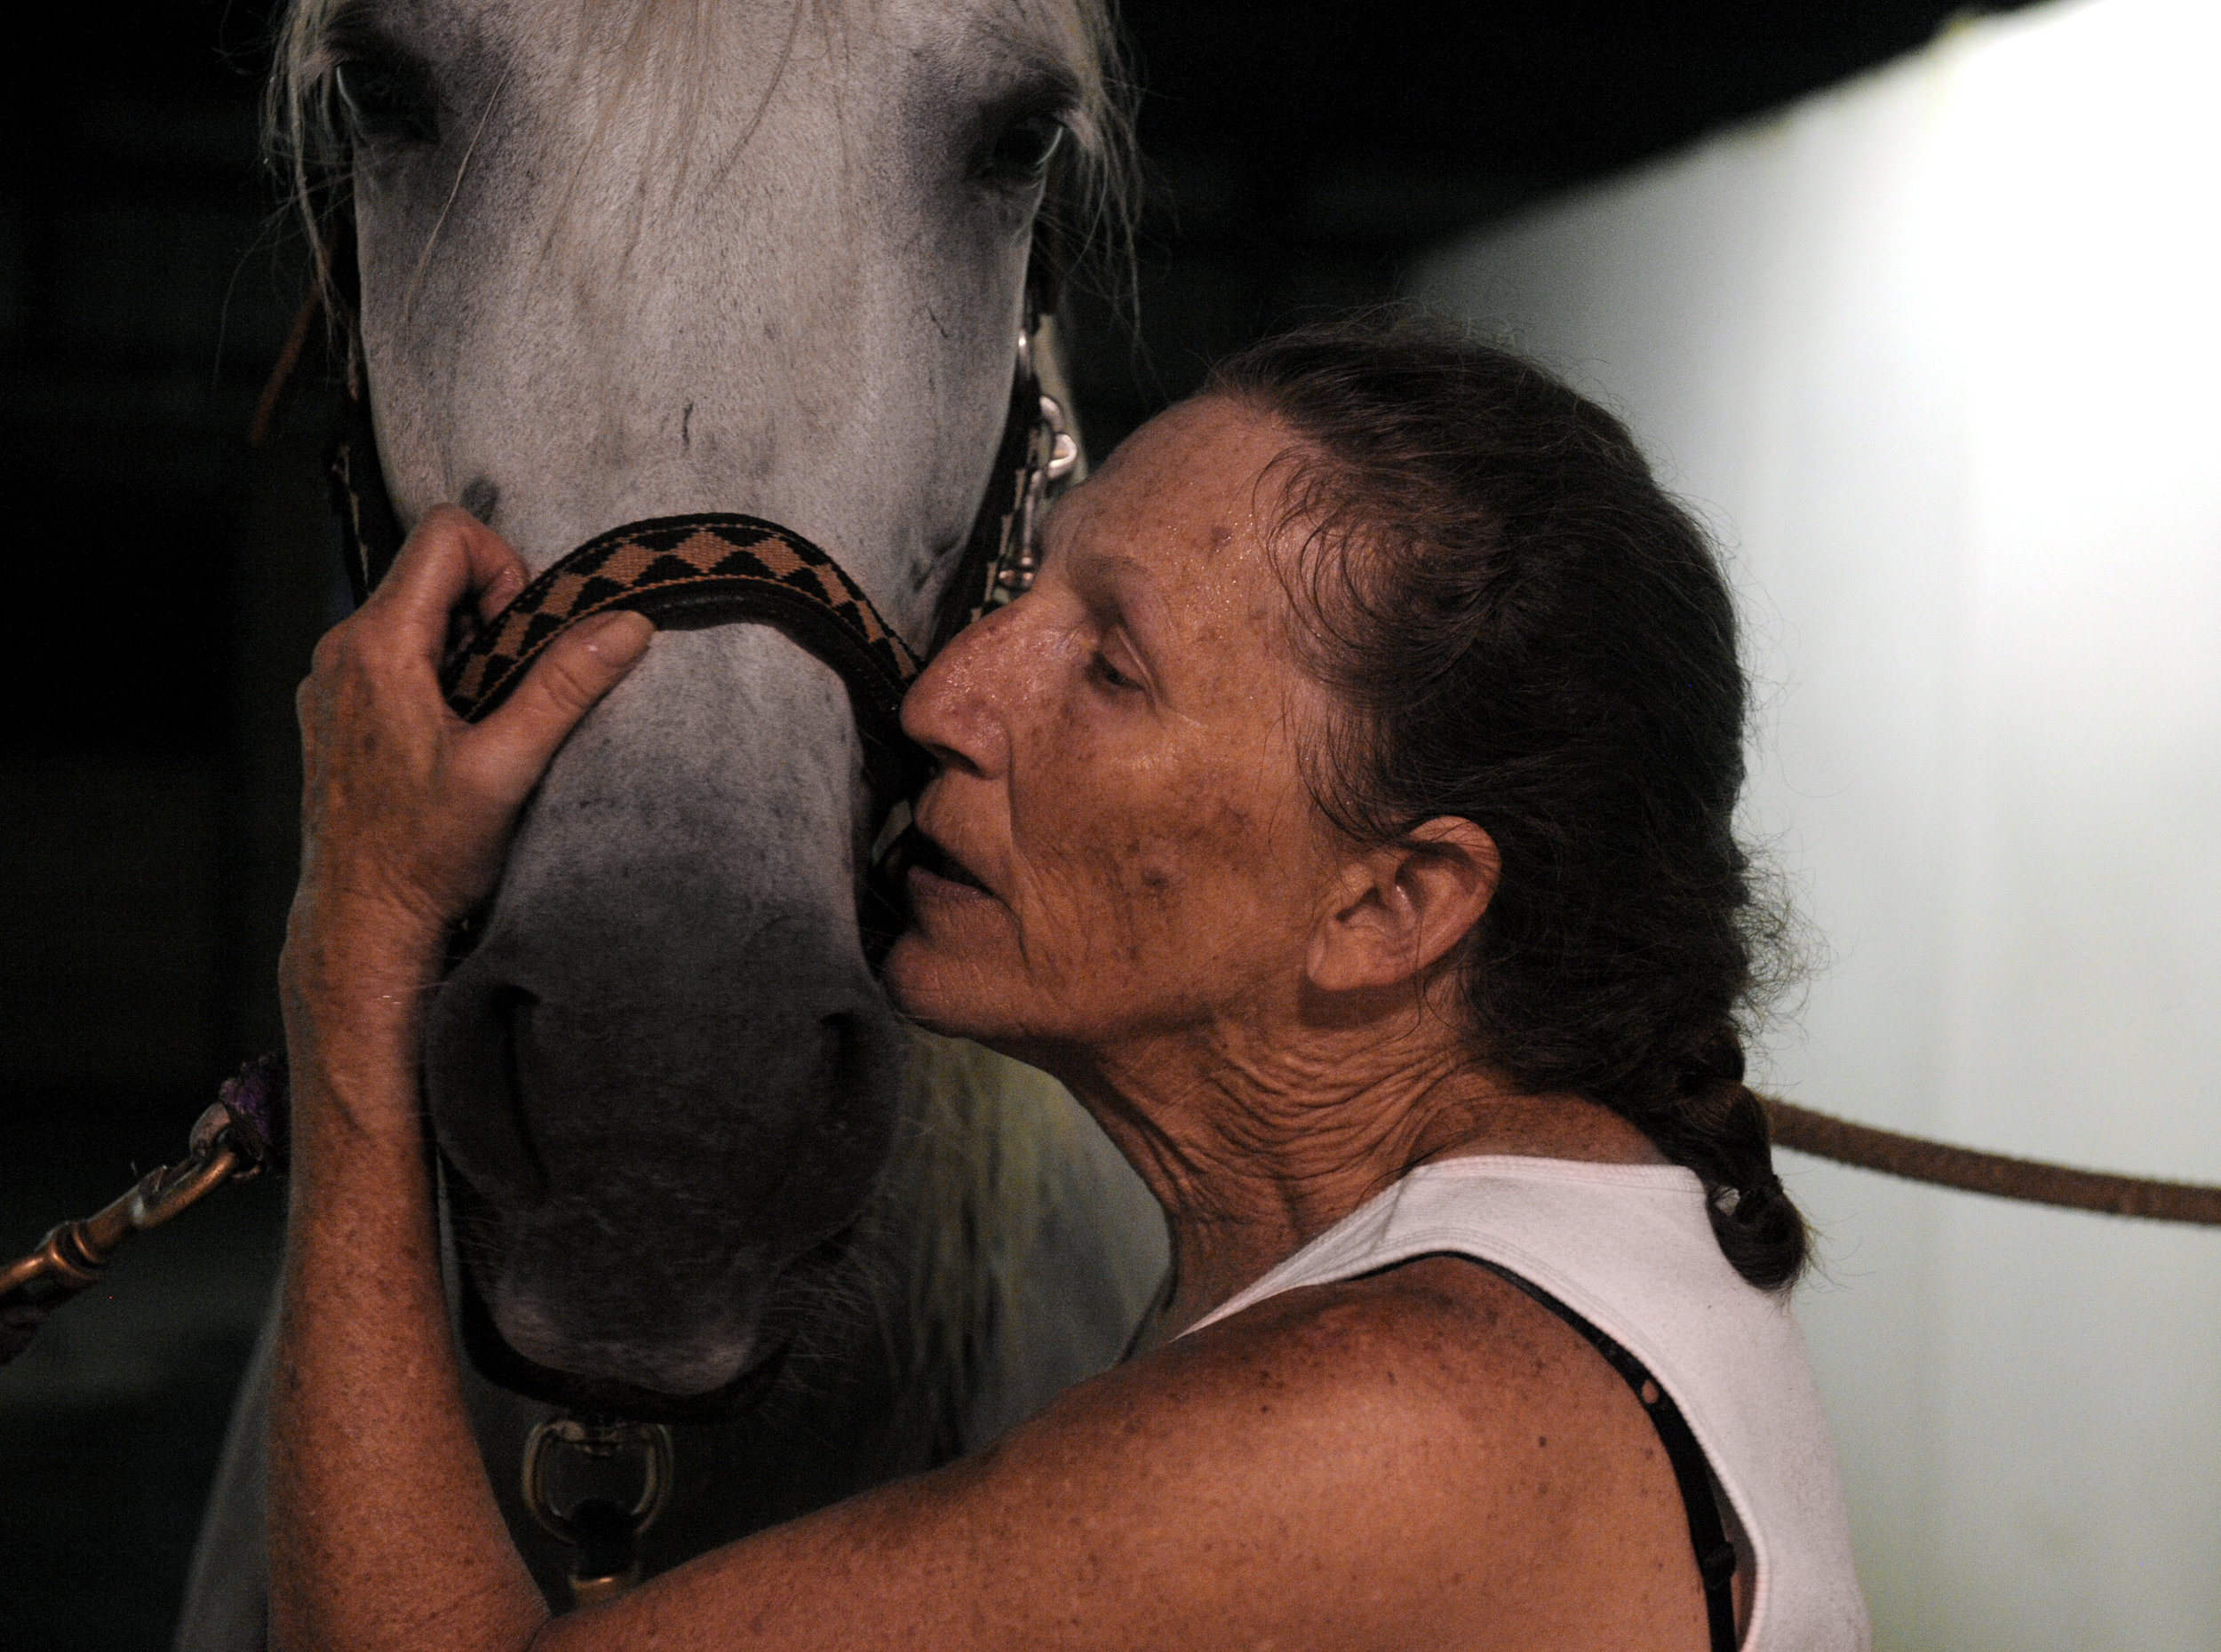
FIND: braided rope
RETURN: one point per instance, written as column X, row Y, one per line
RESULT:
column 1917, row 1159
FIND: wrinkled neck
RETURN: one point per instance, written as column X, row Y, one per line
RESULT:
column 1257, row 1133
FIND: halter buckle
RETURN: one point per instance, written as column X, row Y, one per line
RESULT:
column 1052, row 455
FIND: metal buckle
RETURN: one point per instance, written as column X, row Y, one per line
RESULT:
column 74, row 1255
column 1052, row 455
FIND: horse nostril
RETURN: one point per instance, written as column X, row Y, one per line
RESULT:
column 850, row 1126
column 479, row 1062
column 513, row 1008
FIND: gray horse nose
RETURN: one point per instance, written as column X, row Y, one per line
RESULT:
column 764, row 1100
column 664, row 1072
column 634, row 1183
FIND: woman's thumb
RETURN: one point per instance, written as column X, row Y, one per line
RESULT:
column 519, row 739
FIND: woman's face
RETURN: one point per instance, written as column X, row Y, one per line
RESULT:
column 1126, row 846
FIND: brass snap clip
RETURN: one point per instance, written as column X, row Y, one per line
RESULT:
column 604, row 1533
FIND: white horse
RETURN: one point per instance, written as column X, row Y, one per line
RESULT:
column 625, row 258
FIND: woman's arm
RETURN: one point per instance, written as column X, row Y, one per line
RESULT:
column 1420, row 1461
column 383, row 1530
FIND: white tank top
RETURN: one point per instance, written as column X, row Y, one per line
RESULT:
column 1629, row 1248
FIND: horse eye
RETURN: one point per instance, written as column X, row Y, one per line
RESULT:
column 1024, row 147
column 384, row 101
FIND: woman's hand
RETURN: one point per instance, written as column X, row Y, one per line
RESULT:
column 407, row 810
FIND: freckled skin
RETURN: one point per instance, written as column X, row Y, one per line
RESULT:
column 1120, row 768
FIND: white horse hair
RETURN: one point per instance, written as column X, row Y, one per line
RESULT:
column 620, row 261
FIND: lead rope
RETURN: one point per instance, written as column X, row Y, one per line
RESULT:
column 2030, row 1181
column 1038, row 454
column 744, row 567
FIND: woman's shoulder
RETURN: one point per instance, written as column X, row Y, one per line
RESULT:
column 1437, row 1357
column 1425, row 1440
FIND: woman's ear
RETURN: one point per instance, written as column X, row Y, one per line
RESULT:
column 1400, row 907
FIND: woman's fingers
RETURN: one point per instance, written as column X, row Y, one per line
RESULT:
column 451, row 557
column 510, row 750
column 407, row 809
column 502, row 590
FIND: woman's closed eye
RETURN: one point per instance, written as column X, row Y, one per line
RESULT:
column 1102, row 671
column 1110, row 676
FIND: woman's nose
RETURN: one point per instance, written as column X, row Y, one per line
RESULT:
column 955, row 710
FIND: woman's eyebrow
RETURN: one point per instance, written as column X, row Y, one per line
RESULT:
column 1119, row 588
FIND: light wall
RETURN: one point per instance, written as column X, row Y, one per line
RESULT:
column 1939, row 356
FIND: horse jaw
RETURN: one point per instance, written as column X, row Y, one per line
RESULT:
column 664, row 1072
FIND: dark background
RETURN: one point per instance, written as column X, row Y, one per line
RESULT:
column 167, row 580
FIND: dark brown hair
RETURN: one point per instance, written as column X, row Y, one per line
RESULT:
column 1527, row 632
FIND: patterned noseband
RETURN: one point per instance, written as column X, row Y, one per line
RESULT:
column 673, row 568
column 692, row 572
column 684, row 572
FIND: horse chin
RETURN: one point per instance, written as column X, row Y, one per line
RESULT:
column 684, row 1369
column 704, row 1361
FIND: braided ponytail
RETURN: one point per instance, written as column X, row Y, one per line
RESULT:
column 1524, row 631
column 1716, row 1125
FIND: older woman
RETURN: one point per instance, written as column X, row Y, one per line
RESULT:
column 1345, row 817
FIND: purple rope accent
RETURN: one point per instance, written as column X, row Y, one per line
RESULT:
column 259, row 1103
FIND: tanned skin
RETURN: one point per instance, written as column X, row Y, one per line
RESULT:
column 1135, row 892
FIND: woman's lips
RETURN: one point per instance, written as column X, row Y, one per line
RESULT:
column 935, row 872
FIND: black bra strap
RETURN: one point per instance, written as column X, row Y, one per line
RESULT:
column 1716, row 1555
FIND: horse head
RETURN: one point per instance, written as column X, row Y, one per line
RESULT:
column 619, row 261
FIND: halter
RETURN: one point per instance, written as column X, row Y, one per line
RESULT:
column 684, row 572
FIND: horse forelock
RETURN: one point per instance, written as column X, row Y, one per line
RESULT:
column 661, row 54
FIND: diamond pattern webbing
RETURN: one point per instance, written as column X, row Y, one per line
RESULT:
column 711, row 568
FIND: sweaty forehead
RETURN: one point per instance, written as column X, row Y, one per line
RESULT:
column 1172, row 538
column 1190, row 498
